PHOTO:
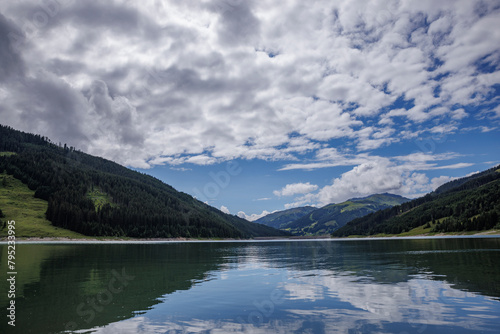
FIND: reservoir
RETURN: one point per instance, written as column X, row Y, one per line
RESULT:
column 419, row 285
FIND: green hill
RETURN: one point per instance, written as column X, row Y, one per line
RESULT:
column 282, row 218
column 333, row 216
column 19, row 204
column 97, row 197
column 467, row 204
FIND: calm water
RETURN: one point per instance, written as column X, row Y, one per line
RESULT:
column 362, row 286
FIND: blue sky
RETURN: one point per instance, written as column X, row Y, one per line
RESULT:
column 257, row 106
column 251, row 186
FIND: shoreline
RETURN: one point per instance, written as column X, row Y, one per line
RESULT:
column 490, row 233
column 436, row 235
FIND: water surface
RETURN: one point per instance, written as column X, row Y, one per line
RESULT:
column 449, row 285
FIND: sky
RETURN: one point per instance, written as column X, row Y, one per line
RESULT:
column 258, row 106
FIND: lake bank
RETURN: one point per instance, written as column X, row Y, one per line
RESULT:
column 494, row 232
column 490, row 233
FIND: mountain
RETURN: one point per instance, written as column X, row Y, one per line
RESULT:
column 333, row 216
column 281, row 218
column 97, row 197
column 467, row 204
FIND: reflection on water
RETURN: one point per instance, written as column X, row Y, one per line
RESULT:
column 350, row 286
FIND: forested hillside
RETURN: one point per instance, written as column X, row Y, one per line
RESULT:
column 468, row 204
column 97, row 197
column 331, row 217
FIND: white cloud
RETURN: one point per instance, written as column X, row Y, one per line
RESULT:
column 417, row 302
column 497, row 111
column 483, row 129
column 329, row 157
column 421, row 157
column 253, row 216
column 225, row 209
column 366, row 179
column 454, row 166
column 307, row 199
column 295, row 188
column 415, row 161
column 398, row 175
column 443, row 129
column 436, row 182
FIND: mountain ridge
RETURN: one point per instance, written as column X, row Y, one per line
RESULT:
column 325, row 220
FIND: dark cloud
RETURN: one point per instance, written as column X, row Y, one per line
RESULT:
column 86, row 41
column 190, row 81
column 100, row 99
column 115, row 115
column 62, row 67
column 238, row 25
column 93, row 15
column 213, row 61
column 11, row 62
column 50, row 106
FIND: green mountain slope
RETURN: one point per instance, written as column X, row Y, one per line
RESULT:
column 97, row 197
column 333, row 216
column 282, row 218
column 20, row 205
column 468, row 204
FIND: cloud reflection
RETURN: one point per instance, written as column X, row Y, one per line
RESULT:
column 320, row 301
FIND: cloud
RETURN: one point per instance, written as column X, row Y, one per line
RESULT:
column 48, row 105
column 436, row 182
column 454, row 166
column 205, row 82
column 483, row 129
column 369, row 178
column 310, row 199
column 415, row 161
column 295, row 188
column 397, row 175
column 254, row 216
column 421, row 157
column 11, row 63
column 180, row 169
column 237, row 25
column 379, row 304
column 497, row 111
column 225, row 209
column 329, row 157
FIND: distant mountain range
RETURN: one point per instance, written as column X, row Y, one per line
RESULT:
column 281, row 219
column 325, row 220
column 97, row 197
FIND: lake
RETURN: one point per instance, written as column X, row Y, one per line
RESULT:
column 437, row 285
